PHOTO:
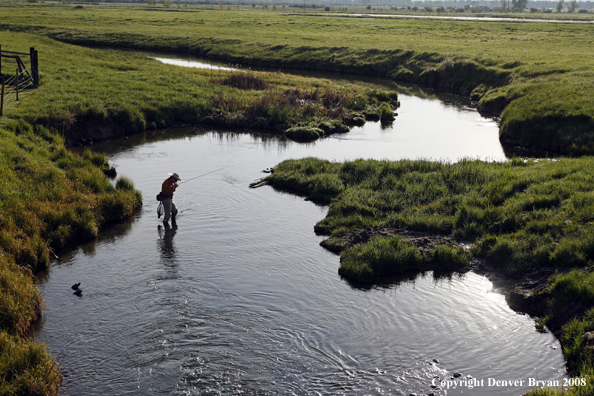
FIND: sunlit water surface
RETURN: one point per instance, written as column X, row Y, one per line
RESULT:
column 239, row 298
column 461, row 18
column 192, row 63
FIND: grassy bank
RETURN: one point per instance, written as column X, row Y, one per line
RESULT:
column 107, row 93
column 539, row 74
column 522, row 216
column 49, row 198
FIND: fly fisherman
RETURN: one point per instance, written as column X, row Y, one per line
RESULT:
column 167, row 190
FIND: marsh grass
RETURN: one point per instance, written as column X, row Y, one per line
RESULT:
column 49, row 198
column 21, row 303
column 26, row 367
column 388, row 256
column 574, row 286
column 243, row 81
column 380, row 257
column 304, row 134
column 385, row 113
column 523, row 215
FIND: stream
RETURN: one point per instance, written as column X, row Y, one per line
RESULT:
column 238, row 298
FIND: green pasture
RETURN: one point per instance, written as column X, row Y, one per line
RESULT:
column 539, row 74
column 85, row 89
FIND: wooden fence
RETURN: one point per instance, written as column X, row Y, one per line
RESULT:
column 24, row 77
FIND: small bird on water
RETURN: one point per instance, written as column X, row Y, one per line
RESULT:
column 77, row 291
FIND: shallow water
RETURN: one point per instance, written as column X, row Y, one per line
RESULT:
column 239, row 298
column 192, row 63
column 460, row 18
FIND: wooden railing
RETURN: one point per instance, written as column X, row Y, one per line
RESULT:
column 24, row 77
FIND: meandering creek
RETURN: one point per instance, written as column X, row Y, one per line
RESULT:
column 459, row 18
column 239, row 298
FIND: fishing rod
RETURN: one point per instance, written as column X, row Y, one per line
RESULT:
column 160, row 207
column 208, row 173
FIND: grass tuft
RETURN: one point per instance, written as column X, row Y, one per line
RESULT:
column 26, row 368
column 380, row 257
column 243, row 81
column 304, row 134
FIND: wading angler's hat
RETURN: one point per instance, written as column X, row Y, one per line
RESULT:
column 175, row 176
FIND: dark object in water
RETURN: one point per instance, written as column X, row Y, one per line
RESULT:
column 78, row 292
column 111, row 172
column 259, row 183
column 75, row 286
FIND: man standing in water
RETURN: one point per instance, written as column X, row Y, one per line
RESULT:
column 167, row 190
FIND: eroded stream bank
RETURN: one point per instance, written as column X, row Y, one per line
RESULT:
column 240, row 298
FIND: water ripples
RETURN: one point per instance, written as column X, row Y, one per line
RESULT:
column 239, row 298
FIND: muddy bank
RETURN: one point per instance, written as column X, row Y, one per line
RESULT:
column 424, row 241
column 88, row 132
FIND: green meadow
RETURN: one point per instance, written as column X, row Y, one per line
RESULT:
column 126, row 92
column 538, row 75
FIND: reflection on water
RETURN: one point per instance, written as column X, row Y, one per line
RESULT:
column 193, row 64
column 166, row 234
column 239, row 298
column 463, row 18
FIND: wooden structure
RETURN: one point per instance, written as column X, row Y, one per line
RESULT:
column 31, row 73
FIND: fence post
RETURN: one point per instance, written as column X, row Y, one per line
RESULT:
column 0, row 60
column 2, row 97
column 33, row 56
column 36, row 68
column 17, row 84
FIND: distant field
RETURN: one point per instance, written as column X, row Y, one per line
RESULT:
column 540, row 73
